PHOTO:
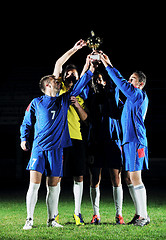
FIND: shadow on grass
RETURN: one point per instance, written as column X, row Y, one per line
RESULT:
column 103, row 223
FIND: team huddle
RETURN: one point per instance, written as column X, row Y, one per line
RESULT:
column 82, row 117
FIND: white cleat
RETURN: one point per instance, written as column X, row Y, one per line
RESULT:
column 28, row 224
column 53, row 223
column 142, row 221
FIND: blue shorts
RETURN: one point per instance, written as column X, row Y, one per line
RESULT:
column 50, row 162
column 135, row 156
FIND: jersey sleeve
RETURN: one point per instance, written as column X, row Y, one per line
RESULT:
column 28, row 121
column 127, row 88
column 85, row 92
column 81, row 83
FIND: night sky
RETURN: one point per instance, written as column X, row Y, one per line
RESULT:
column 35, row 36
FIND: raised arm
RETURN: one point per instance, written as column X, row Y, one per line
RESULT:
column 83, row 81
column 86, row 66
column 59, row 63
column 127, row 89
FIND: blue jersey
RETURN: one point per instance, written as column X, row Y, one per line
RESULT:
column 104, row 114
column 48, row 115
column 134, row 111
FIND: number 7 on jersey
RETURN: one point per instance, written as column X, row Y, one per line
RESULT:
column 53, row 114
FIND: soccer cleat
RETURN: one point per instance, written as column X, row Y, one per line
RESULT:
column 142, row 221
column 57, row 218
column 119, row 219
column 78, row 219
column 134, row 220
column 54, row 223
column 28, row 224
column 96, row 220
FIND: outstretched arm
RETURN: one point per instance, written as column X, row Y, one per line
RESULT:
column 86, row 66
column 105, row 60
column 127, row 89
column 59, row 63
column 83, row 81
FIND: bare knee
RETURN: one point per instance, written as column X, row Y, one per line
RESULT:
column 115, row 175
column 136, row 178
column 78, row 178
column 35, row 177
column 95, row 182
column 127, row 178
column 95, row 177
column 52, row 181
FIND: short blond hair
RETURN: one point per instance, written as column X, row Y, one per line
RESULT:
column 43, row 81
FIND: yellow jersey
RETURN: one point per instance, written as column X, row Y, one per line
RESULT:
column 73, row 118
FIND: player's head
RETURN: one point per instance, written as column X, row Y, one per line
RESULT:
column 138, row 79
column 70, row 75
column 100, row 79
column 98, row 83
column 50, row 83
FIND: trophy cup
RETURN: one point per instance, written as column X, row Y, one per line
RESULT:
column 93, row 43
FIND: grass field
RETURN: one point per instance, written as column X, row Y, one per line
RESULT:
column 13, row 214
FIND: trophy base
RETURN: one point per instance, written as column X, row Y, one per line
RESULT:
column 95, row 57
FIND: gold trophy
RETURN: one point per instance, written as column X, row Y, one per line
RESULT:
column 93, row 43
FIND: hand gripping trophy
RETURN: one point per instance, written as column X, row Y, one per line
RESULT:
column 93, row 43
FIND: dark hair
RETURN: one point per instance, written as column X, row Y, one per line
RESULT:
column 67, row 68
column 97, row 73
column 141, row 76
column 43, row 80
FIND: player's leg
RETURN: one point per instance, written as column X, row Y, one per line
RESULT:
column 141, row 198
column 31, row 197
column 77, row 160
column 95, row 178
column 133, row 196
column 115, row 175
column 136, row 159
column 54, row 172
column 78, row 192
column 52, row 200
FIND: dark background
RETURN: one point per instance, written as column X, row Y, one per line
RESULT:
column 35, row 36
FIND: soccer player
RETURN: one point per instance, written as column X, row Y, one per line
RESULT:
column 48, row 115
column 134, row 142
column 74, row 156
column 104, row 142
